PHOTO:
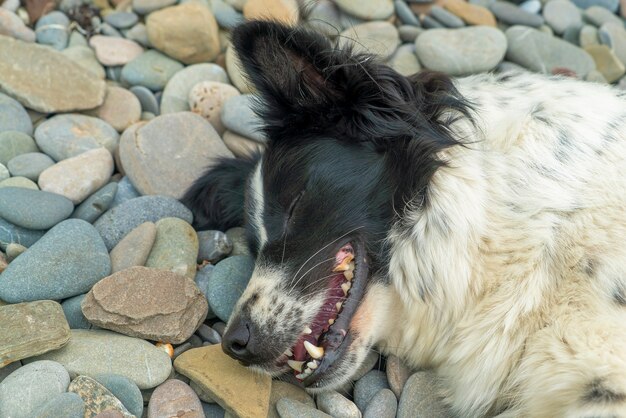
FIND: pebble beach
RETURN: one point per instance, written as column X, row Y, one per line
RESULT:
column 111, row 303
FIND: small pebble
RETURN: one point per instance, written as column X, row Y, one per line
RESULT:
column 366, row 387
column 121, row 20
column 383, row 405
column 209, row 334
column 337, row 405
column 446, row 18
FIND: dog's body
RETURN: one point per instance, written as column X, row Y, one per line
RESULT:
column 495, row 253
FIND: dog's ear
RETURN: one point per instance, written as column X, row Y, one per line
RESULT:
column 217, row 197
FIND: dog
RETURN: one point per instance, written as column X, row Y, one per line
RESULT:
column 476, row 227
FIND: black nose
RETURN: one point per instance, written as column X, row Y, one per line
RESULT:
column 237, row 341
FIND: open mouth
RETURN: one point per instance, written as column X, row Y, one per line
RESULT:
column 328, row 336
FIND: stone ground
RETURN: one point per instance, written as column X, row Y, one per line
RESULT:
column 111, row 304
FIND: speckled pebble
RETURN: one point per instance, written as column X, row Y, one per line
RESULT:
column 383, row 405
column 33, row 209
column 369, row 385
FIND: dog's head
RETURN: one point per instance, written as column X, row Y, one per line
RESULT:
column 350, row 144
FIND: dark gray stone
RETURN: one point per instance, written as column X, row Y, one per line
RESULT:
column 369, row 385
column 95, row 205
column 419, row 398
column 446, row 18
column 74, row 314
column 125, row 191
column 10, row 233
column 405, row 14
column 383, row 405
column 146, row 98
column 209, row 334
column 512, row 15
column 214, row 246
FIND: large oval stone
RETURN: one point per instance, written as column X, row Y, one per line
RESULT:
column 166, row 155
column 13, row 116
column 176, row 93
column 175, row 248
column 14, row 143
column 65, row 262
column 33, row 209
column 66, row 405
column 227, row 283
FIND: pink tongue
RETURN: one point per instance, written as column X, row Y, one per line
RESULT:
column 343, row 253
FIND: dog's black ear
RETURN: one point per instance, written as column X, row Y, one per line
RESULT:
column 217, row 197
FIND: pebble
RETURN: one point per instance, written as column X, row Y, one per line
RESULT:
column 30, row 387
column 212, row 410
column 419, row 398
column 595, row 76
column 324, row 17
column 8, row 369
column 446, row 18
column 598, row 16
column 615, row 35
column 109, row 31
column 74, row 314
column 397, row 374
column 606, row 62
column 202, row 281
column 572, row 34
column 404, row 60
column 31, row 329
column 610, row 5
column 19, row 182
column 68, row 87
column 235, row 72
column 472, row 14
column 145, row 7
column 174, row 398
column 13, row 118
column 4, row 173
column 115, row 223
column 123, row 389
column 33, row 209
column 237, row 116
column 11, row 25
column 78, row 177
column 512, row 15
column 241, row 146
column 405, row 14
column 382, row 405
column 14, row 143
column 228, row 281
column 335, row 404
column 86, row 58
column 284, row 11
column 14, row 250
column 367, row 9
column 121, row 20
column 195, row 27
column 237, row 237
column 531, row 6
column 226, row 15
column 408, row 34
column 176, row 93
column 68, row 135
column 112, row 51
column 93, row 352
column 134, row 248
column 29, row 165
column 214, row 246
column 429, row 22
column 209, row 334
column 38, row 274
column 139, row 34
column 96, row 397
column 66, row 405
column 146, row 99
column 379, row 38
column 146, row 153
column 369, row 385
column 226, row 380
column 207, row 99
column 52, row 29
column 10, row 233
column 540, row 52
column 125, row 191
column 588, row 36
column 120, row 109
column 152, row 69
column 289, row 408
column 95, row 205
column 561, row 14
column 175, row 248
column 461, row 51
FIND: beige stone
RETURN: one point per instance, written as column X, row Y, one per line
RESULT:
column 241, row 146
column 237, row 389
column 207, row 99
column 120, row 109
column 174, row 399
column 606, row 62
column 134, row 249
column 96, row 397
column 112, row 51
column 284, row 11
column 472, row 14
column 175, row 248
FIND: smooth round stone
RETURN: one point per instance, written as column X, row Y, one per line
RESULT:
column 614, row 35
column 289, row 408
column 125, row 191
column 120, row 220
column 405, row 14
column 112, row 51
column 97, row 398
column 146, row 98
column 512, row 15
column 237, row 116
column 139, row 34
column 77, row 39
column 67, row 261
column 123, row 389
column 446, row 18
column 531, row 6
column 11, row 25
column 214, row 245
column 212, row 410
column 74, row 314
column 284, row 390
column 52, row 29
column 175, row 248
column 337, row 405
column 152, row 69
column 66, row 405
column 30, row 387
column 134, row 248
column 599, row 15
column 472, row 14
column 121, row 20
column 405, row 61
column 176, row 93
column 237, row 237
column 86, row 58
column 397, row 374
column 93, row 352
column 33, row 209
column 68, row 135
column 382, row 405
column 418, row 398
column 145, row 7
column 174, row 398
column 8, row 369
column 596, row 76
column 95, row 205
column 606, row 62
column 461, row 51
column 379, row 38
column 10, row 233
column 588, row 36
column 429, row 22
column 367, row 9
column 209, row 334
column 611, row 5
column 11, row 5
column 225, row 14
column 120, row 109
column 146, row 153
column 284, row 11
column 203, row 276
column 19, row 182
column 572, row 34
column 228, row 281
column 561, row 14
column 241, row 146
column 543, row 53
column 14, row 143
column 13, row 117
column 109, row 31
column 14, row 250
column 4, row 173
column 324, row 17
column 369, row 385
column 29, row 165
column 78, row 177
column 207, row 99
column 235, row 72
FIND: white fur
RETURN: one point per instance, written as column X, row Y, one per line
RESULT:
column 257, row 203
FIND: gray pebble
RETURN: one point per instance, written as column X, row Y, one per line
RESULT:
column 214, row 245
column 108, row 30
column 121, row 20
column 430, row 22
column 237, row 116
column 95, row 205
column 4, row 172
column 337, row 405
column 611, row 5
column 33, row 209
column 512, row 15
column 74, row 314
column 419, row 398
column 52, row 29
column 562, row 14
column 225, row 14
column 588, row 36
column 228, row 281
column 29, row 165
column 290, row 408
column 383, row 405
column 66, row 405
column 146, row 98
column 14, row 143
column 209, row 334
column 598, row 16
column 572, row 34
column 409, row 33
column 405, row 14
column 212, row 410
column 220, row 327
column 139, row 34
column 151, row 69
column 446, row 18
column 13, row 117
column 369, row 385
column 12, row 233
column 123, row 389
column 237, row 237
column 531, row 6
column 125, row 191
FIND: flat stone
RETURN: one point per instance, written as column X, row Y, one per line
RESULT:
column 147, row 303
column 123, row 389
column 382, row 405
column 241, row 146
column 176, row 94
column 33, row 209
column 543, row 53
column 367, row 9
column 611, row 5
column 446, row 18
column 93, row 352
column 461, row 51
column 112, row 51
column 214, row 245
column 284, row 11
column 13, row 119
column 31, row 329
column 606, row 62
column 599, row 15
column 226, row 380
column 284, row 390
column 472, row 14
column 175, row 248
column 96, row 204
column 125, row 191
column 11, row 25
column 45, row 80
column 73, row 313
column 120, row 220
column 207, row 99
column 66, row 261
column 78, row 177
column 30, row 387
column 379, row 38
column 187, row 33
column 615, row 34
column 65, row 136
column 121, row 20
column 14, row 143
column 404, row 60
column 336, row 405
column 29, row 165
column 369, row 385
column 120, row 109
column 146, row 153
column 227, row 283
column 152, row 69
column 174, row 398
column 145, row 7
column 66, row 405
column 562, row 14
column 96, row 397
column 419, row 399
column 10, row 233
column 512, row 15
column 134, row 248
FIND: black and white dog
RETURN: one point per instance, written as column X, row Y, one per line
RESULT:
column 473, row 226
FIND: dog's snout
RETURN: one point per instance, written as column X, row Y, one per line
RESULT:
column 238, row 341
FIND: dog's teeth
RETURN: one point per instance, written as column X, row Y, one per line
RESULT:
column 351, row 266
column 345, row 264
column 313, row 350
column 288, row 352
column 338, row 306
column 343, row 332
column 296, row 365
column 307, row 330
column 331, row 321
column 307, row 372
column 301, row 376
column 312, row 364
column 345, row 287
column 348, row 274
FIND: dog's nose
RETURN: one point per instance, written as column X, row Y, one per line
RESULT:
column 237, row 341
